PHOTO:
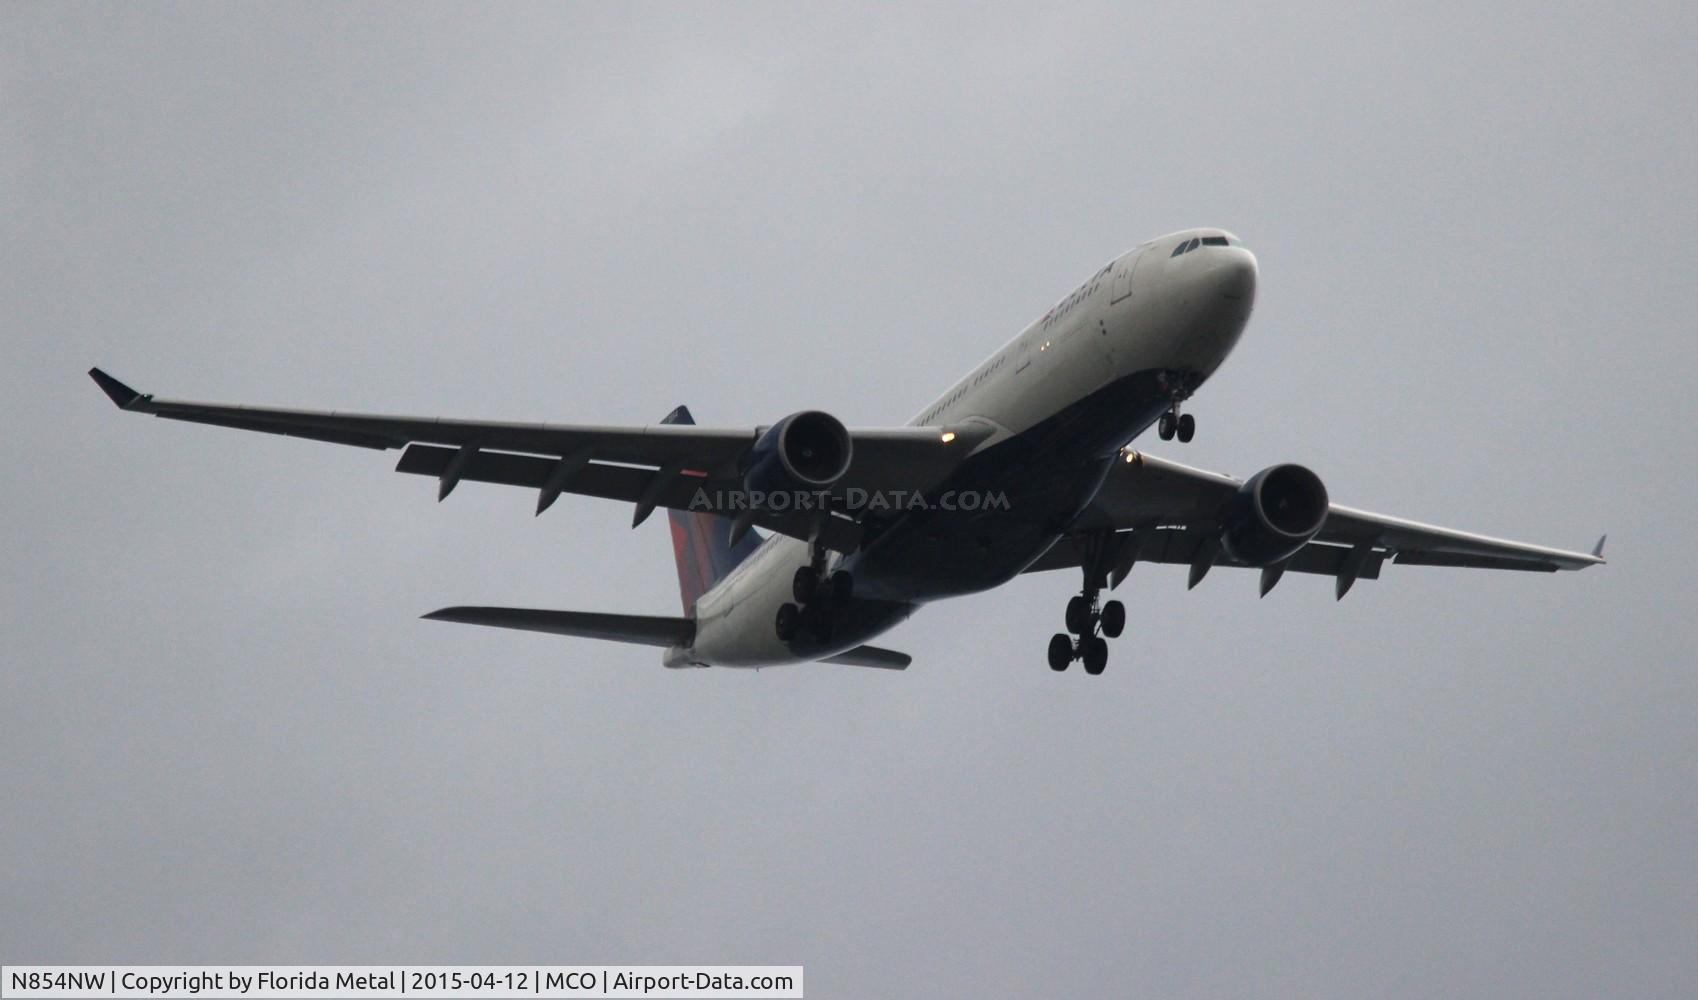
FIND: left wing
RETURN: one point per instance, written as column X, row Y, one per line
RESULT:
column 645, row 630
column 657, row 465
column 1153, row 510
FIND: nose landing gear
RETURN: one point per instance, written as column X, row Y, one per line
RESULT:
column 1173, row 424
column 1179, row 386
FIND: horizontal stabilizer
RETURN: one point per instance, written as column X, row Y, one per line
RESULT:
column 645, row 630
column 872, row 656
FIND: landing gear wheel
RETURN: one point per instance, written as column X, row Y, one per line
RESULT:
column 1113, row 619
column 1094, row 651
column 817, row 620
column 789, row 619
column 842, row 585
column 804, row 584
column 1060, row 651
column 1187, row 428
column 1165, row 427
column 1078, row 615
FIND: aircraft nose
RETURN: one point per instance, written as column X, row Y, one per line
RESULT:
column 1235, row 274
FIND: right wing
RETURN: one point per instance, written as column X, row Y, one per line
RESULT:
column 657, row 465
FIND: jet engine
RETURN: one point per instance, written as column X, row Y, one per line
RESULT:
column 805, row 451
column 1274, row 514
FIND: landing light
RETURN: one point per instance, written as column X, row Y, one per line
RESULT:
column 948, row 436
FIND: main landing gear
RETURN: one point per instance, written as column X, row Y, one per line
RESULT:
column 1090, row 625
column 816, row 593
column 1084, row 619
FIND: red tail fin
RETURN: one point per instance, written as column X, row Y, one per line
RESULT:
column 701, row 542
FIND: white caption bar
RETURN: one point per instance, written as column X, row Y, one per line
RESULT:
column 589, row 982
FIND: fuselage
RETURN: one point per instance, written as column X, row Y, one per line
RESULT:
column 1053, row 407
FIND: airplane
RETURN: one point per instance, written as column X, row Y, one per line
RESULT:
column 1024, row 465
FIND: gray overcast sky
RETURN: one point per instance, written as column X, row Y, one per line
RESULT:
column 228, row 738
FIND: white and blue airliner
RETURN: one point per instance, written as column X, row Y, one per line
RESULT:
column 805, row 539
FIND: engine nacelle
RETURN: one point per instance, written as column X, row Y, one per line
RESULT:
column 1273, row 515
column 805, row 451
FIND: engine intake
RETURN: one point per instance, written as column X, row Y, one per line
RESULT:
column 1274, row 514
column 809, row 450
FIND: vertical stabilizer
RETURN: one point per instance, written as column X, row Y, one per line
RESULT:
column 701, row 542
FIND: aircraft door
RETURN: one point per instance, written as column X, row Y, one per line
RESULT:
column 1123, row 274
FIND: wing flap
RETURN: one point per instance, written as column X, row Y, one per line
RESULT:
column 1417, row 557
column 622, row 482
column 1178, row 546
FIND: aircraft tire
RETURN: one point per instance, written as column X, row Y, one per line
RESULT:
column 818, row 623
column 1078, row 617
column 1060, row 651
column 1094, row 651
column 804, row 584
column 1113, row 619
column 789, row 618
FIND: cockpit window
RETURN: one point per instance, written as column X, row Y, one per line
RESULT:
column 1186, row 246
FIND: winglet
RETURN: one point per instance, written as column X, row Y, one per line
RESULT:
column 120, row 393
column 1598, row 549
